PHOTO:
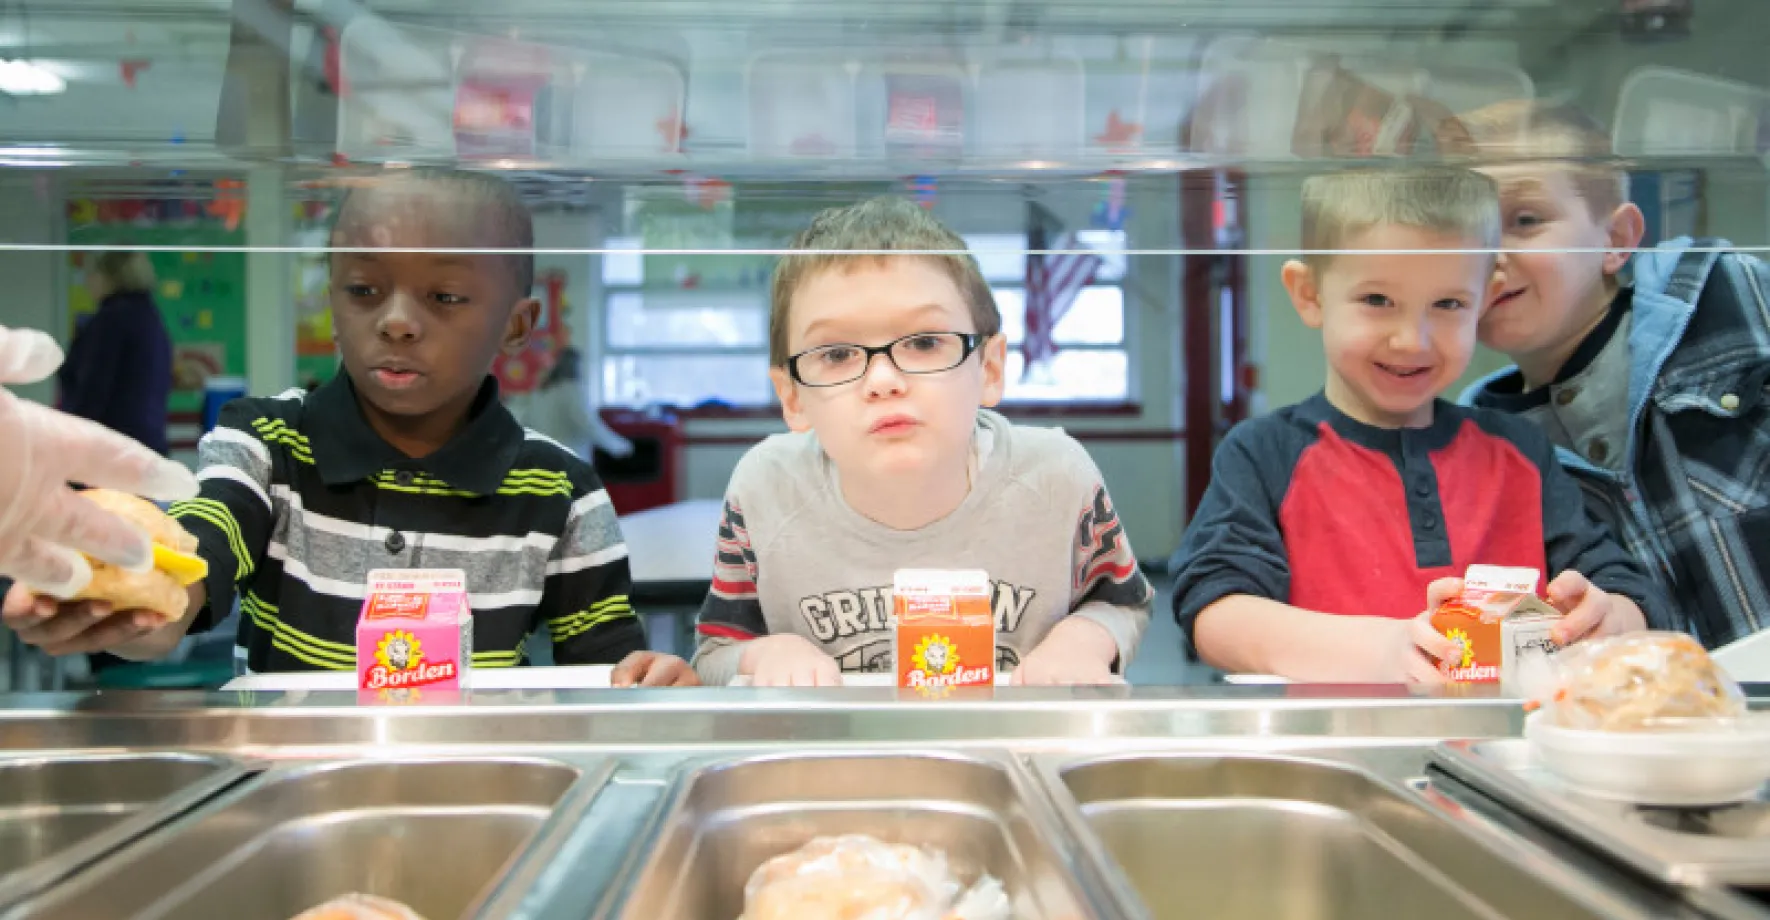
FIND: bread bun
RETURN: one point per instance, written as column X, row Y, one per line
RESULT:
column 360, row 907
column 1641, row 681
column 158, row 590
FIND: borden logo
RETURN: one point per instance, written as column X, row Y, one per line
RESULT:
column 399, row 662
column 960, row 677
column 937, row 669
column 1472, row 675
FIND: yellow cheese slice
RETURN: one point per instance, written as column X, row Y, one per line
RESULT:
column 184, row 568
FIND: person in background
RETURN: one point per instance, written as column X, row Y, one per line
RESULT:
column 1655, row 391
column 119, row 368
column 407, row 459
column 882, row 365
column 561, row 410
column 44, row 527
column 1328, row 524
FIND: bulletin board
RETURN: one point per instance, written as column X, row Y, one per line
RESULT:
column 201, row 295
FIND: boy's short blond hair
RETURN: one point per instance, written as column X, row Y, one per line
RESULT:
column 1562, row 134
column 1442, row 199
column 841, row 237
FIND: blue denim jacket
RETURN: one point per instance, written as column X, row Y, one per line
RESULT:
column 1693, row 502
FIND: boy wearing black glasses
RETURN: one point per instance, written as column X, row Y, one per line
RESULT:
column 883, row 364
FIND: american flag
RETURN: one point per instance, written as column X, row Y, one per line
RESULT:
column 1053, row 282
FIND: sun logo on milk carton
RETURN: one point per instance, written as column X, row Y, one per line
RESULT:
column 1461, row 638
column 943, row 620
column 399, row 651
column 935, row 655
column 415, row 630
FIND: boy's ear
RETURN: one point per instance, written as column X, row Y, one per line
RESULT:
column 995, row 368
column 1299, row 281
column 788, row 393
column 1626, row 228
column 521, row 324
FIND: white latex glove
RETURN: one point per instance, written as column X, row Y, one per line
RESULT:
column 44, row 525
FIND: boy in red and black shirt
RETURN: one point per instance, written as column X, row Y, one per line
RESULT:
column 1332, row 528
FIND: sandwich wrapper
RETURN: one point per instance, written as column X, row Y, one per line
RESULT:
column 1502, row 626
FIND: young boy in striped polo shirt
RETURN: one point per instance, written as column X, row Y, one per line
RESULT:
column 407, row 459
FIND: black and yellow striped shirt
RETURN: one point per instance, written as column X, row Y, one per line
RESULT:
column 301, row 500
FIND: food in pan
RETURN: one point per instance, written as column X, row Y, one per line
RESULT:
column 856, row 877
column 1643, row 681
column 161, row 589
column 360, row 907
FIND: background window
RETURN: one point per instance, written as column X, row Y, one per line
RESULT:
column 692, row 346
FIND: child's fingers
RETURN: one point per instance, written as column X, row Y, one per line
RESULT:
column 669, row 671
column 1431, row 641
column 1583, row 620
column 106, row 633
column 631, row 669
column 1424, row 673
column 68, row 621
column 1567, row 590
column 20, row 602
column 1442, row 590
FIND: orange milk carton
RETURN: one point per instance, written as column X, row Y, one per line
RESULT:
column 415, row 631
column 945, row 630
column 1500, row 623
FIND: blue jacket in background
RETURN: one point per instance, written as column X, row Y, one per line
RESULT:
column 118, row 371
column 1693, row 500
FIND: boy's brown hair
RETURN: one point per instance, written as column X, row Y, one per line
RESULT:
column 1443, row 199
column 841, row 237
column 1536, row 131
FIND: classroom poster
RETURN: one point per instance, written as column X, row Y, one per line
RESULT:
column 201, row 295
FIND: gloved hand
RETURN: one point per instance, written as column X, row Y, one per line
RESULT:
column 44, row 524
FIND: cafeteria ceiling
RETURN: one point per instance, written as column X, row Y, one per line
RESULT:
column 147, row 73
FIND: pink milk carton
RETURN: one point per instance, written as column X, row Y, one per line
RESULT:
column 415, row 631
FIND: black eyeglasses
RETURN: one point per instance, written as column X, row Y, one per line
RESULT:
column 918, row 353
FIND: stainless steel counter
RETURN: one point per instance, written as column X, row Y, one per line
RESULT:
column 1109, row 803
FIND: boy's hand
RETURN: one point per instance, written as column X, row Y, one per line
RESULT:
column 1591, row 612
column 1077, row 651
column 73, row 627
column 788, row 661
column 1416, row 653
column 653, row 669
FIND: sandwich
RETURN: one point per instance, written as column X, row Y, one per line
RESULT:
column 161, row 589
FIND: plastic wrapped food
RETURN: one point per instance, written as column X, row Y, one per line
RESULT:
column 856, row 877
column 1639, row 682
column 360, row 907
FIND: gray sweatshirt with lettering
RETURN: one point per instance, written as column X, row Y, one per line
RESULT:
column 793, row 557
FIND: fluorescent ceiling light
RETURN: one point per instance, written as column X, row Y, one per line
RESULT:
column 23, row 78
